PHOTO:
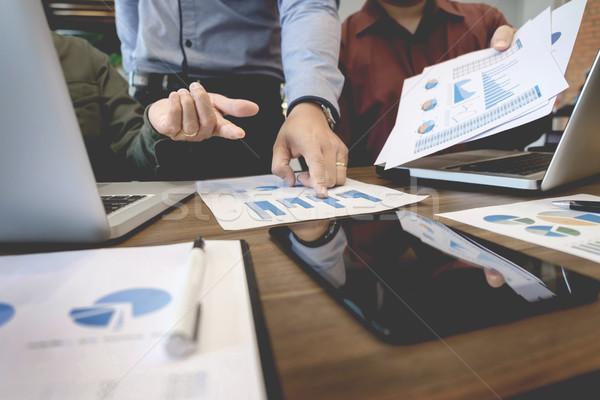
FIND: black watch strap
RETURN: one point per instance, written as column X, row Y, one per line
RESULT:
column 330, row 232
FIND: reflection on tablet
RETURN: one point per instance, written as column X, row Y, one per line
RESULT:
column 409, row 279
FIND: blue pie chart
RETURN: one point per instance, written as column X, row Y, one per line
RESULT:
column 6, row 313
column 430, row 84
column 427, row 126
column 142, row 301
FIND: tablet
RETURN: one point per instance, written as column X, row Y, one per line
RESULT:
column 409, row 279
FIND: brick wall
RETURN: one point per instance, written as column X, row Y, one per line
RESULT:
column 584, row 52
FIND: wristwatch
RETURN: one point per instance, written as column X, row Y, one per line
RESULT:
column 330, row 232
column 327, row 113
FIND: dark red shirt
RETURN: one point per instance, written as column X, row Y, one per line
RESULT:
column 377, row 55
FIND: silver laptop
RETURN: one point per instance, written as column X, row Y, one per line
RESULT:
column 49, row 193
column 577, row 155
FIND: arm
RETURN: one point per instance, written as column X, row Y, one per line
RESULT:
column 310, row 47
column 127, row 22
column 134, row 135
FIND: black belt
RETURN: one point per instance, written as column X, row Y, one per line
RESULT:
column 170, row 82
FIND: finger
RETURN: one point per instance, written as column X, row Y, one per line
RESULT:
column 502, row 38
column 320, row 175
column 341, row 168
column 173, row 119
column 204, row 112
column 190, row 126
column 228, row 130
column 235, row 107
column 280, row 165
column 494, row 278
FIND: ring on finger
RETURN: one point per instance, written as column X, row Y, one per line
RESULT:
column 184, row 133
column 340, row 164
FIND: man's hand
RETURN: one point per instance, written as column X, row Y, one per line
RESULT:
column 306, row 133
column 196, row 115
column 503, row 37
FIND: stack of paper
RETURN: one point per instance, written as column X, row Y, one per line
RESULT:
column 92, row 324
column 485, row 92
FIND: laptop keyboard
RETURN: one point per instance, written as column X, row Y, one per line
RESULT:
column 524, row 164
column 114, row 203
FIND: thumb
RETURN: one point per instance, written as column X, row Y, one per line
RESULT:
column 502, row 38
column 281, row 166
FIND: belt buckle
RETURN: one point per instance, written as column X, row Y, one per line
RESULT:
column 137, row 78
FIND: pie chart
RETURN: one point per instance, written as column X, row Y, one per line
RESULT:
column 427, row 126
column 572, row 218
column 552, row 231
column 431, row 84
column 117, row 307
column 429, row 105
column 508, row 220
column 6, row 313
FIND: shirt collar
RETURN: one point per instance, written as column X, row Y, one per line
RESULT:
column 372, row 13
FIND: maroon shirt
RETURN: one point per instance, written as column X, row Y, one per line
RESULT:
column 377, row 55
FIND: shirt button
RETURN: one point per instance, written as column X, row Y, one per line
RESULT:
column 188, row 43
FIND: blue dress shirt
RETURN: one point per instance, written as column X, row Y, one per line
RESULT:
column 296, row 41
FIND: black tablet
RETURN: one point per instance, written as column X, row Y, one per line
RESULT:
column 410, row 279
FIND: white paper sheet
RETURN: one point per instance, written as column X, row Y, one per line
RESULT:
column 91, row 325
column 561, row 38
column 540, row 222
column 466, row 96
column 255, row 201
column 556, row 32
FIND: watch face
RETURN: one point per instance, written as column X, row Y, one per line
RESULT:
column 328, row 115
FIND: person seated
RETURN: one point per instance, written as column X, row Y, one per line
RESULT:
column 388, row 41
column 124, row 140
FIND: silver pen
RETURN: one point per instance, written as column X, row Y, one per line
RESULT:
column 183, row 337
column 579, row 205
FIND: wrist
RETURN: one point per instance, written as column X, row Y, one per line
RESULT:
column 325, row 108
column 325, row 237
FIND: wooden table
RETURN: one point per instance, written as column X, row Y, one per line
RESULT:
column 321, row 352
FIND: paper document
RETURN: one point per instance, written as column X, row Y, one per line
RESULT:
column 264, row 200
column 484, row 92
column 542, row 223
column 92, row 324
column 560, row 36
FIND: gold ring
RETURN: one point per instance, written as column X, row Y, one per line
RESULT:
column 340, row 164
column 184, row 133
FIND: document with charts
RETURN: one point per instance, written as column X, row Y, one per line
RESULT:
column 560, row 35
column 458, row 99
column 92, row 324
column 542, row 223
column 264, row 200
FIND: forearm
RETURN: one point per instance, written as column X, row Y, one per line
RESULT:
column 310, row 48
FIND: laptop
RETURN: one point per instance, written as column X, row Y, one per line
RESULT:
column 49, row 193
column 577, row 155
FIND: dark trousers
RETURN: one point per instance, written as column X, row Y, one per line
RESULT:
column 217, row 157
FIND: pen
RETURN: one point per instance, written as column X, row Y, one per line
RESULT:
column 580, row 205
column 183, row 337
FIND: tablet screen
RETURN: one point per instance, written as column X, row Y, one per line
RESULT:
column 410, row 279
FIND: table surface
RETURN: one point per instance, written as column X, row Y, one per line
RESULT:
column 321, row 352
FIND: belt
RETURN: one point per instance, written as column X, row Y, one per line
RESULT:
column 167, row 82
column 164, row 81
